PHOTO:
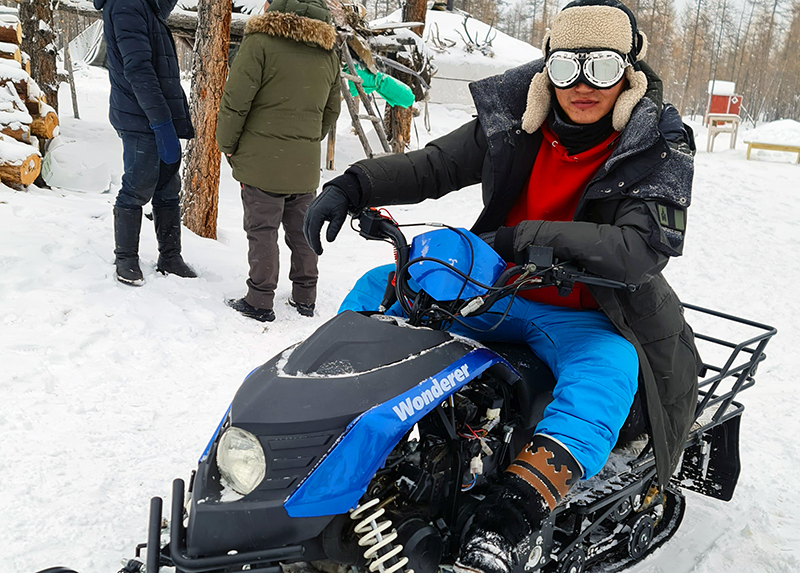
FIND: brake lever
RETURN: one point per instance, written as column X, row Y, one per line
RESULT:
column 565, row 276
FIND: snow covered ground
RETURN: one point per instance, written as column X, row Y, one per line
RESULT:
column 108, row 392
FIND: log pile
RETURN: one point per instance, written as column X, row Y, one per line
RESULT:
column 25, row 117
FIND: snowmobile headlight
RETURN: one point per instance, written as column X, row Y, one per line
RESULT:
column 240, row 459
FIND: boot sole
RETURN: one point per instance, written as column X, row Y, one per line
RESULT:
column 129, row 282
column 165, row 273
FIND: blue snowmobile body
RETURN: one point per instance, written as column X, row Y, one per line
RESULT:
column 327, row 413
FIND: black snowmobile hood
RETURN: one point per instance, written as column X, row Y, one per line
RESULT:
column 350, row 364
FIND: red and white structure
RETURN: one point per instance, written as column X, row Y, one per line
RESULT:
column 722, row 112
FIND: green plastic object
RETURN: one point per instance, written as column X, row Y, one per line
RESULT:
column 395, row 92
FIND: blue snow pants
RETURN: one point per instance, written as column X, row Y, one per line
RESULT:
column 595, row 368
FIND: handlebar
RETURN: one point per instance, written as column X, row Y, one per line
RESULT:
column 540, row 270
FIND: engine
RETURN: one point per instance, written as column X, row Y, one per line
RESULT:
column 422, row 497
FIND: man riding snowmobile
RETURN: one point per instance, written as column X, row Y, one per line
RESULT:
column 578, row 153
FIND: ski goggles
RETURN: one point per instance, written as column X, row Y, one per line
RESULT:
column 600, row 69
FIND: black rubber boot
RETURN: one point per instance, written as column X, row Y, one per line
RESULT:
column 246, row 309
column 500, row 535
column 303, row 308
column 168, row 233
column 127, row 224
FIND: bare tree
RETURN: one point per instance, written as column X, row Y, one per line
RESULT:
column 209, row 72
column 39, row 42
column 692, row 49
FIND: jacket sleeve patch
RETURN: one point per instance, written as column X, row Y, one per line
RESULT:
column 671, row 218
column 668, row 228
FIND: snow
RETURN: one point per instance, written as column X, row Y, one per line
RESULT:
column 781, row 132
column 9, row 48
column 12, row 110
column 14, row 152
column 13, row 72
column 109, row 392
column 458, row 63
column 67, row 166
column 721, row 88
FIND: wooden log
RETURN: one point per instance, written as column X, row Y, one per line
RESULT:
column 20, row 132
column 10, row 51
column 23, row 173
column 15, row 76
column 11, row 32
column 44, row 126
column 34, row 106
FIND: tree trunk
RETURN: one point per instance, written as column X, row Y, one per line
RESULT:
column 691, row 59
column 398, row 120
column 39, row 42
column 209, row 72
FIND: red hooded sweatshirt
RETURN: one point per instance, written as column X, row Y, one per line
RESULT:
column 555, row 186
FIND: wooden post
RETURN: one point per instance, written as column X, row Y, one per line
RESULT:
column 209, row 73
column 331, row 148
column 70, row 71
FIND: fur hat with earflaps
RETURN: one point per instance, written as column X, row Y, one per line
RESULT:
column 591, row 24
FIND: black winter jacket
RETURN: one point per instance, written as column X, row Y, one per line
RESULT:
column 143, row 67
column 630, row 220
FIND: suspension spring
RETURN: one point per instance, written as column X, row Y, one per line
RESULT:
column 376, row 535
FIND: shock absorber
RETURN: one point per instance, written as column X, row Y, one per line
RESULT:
column 376, row 535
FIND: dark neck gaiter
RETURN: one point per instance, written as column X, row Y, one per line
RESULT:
column 578, row 138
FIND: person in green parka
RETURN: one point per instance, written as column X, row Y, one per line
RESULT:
column 281, row 99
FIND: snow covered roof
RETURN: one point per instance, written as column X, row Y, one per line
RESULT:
column 457, row 62
column 721, row 88
column 448, row 28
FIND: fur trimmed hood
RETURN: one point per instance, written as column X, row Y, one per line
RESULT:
column 591, row 24
column 292, row 26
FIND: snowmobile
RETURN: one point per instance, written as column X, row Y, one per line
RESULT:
column 368, row 445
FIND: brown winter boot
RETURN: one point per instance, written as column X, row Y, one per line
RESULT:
column 534, row 483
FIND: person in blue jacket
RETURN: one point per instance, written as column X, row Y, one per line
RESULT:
column 148, row 108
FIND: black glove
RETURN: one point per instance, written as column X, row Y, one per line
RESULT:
column 487, row 238
column 341, row 195
column 502, row 241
